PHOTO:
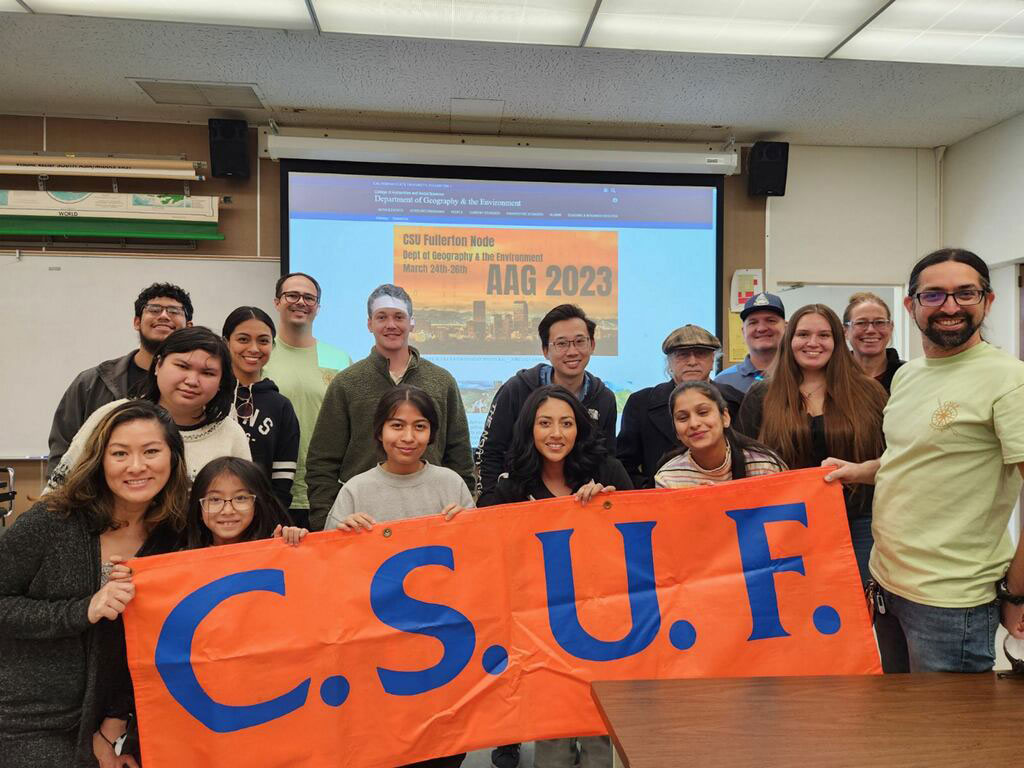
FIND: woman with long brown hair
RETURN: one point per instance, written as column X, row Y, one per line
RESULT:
column 819, row 403
column 65, row 690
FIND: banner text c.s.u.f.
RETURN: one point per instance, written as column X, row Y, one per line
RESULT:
column 424, row 638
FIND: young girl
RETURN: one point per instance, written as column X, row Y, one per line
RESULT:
column 191, row 379
column 403, row 485
column 711, row 452
column 820, row 404
column 231, row 502
column 65, row 689
column 557, row 451
column 266, row 415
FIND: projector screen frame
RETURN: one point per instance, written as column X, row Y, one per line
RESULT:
column 480, row 173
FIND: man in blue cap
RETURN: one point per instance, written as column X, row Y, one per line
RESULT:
column 764, row 323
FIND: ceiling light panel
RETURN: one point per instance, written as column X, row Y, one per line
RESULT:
column 982, row 32
column 544, row 22
column 11, row 6
column 279, row 14
column 759, row 27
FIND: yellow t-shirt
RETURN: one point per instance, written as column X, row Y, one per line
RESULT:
column 954, row 431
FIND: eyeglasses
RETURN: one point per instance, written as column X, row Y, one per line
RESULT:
column 243, row 402
column 158, row 309
column 863, row 325
column 562, row 345
column 241, row 503
column 965, row 297
column 294, row 297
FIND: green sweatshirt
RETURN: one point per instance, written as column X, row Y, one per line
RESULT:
column 343, row 444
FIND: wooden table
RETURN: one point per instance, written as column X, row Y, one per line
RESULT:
column 881, row 721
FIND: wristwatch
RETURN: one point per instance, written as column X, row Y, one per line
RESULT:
column 1003, row 593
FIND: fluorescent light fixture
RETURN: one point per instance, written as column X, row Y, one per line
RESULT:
column 756, row 27
column 279, row 14
column 11, row 6
column 980, row 32
column 565, row 154
column 550, row 22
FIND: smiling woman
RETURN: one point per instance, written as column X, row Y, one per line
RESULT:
column 191, row 379
column 65, row 690
column 818, row 403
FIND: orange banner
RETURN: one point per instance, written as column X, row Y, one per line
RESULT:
column 482, row 290
column 424, row 638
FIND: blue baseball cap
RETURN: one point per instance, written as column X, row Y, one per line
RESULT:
column 763, row 302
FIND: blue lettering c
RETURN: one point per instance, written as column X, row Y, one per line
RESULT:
column 173, row 655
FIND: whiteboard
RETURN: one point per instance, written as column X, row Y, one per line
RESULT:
column 61, row 314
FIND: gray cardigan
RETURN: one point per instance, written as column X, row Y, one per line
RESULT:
column 58, row 672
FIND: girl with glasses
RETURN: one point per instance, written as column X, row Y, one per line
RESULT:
column 868, row 324
column 232, row 502
column 190, row 378
column 266, row 415
column 817, row 404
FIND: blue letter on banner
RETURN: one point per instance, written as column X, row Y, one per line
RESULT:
column 174, row 651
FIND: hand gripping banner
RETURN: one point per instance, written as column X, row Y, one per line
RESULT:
column 424, row 638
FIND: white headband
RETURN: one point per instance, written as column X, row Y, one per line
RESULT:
column 390, row 302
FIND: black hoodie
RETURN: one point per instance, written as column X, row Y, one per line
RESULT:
column 273, row 431
column 496, row 438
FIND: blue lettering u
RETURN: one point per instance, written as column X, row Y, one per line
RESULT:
column 643, row 599
column 173, row 655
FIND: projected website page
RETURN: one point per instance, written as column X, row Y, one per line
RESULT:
column 484, row 261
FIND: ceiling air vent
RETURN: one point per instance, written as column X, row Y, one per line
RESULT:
column 184, row 93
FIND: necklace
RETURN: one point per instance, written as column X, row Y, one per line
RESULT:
column 807, row 395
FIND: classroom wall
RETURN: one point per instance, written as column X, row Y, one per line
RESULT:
column 852, row 215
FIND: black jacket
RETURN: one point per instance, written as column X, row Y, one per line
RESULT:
column 90, row 389
column 892, row 364
column 496, row 437
column 648, row 433
column 273, row 431
column 506, row 491
column 58, row 672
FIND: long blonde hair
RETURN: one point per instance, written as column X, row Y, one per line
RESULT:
column 86, row 494
column 852, row 408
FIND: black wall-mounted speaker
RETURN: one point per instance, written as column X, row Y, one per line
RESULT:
column 229, row 149
column 767, row 162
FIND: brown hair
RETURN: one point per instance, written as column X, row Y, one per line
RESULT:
column 865, row 297
column 86, row 494
column 852, row 408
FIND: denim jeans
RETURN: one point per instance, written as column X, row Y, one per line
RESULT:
column 863, row 541
column 922, row 638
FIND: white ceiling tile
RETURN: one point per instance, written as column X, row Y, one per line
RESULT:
column 544, row 22
column 762, row 27
column 283, row 14
column 976, row 32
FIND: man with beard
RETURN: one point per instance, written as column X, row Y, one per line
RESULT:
column 943, row 558
column 160, row 310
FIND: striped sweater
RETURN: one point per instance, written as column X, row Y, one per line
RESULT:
column 682, row 471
